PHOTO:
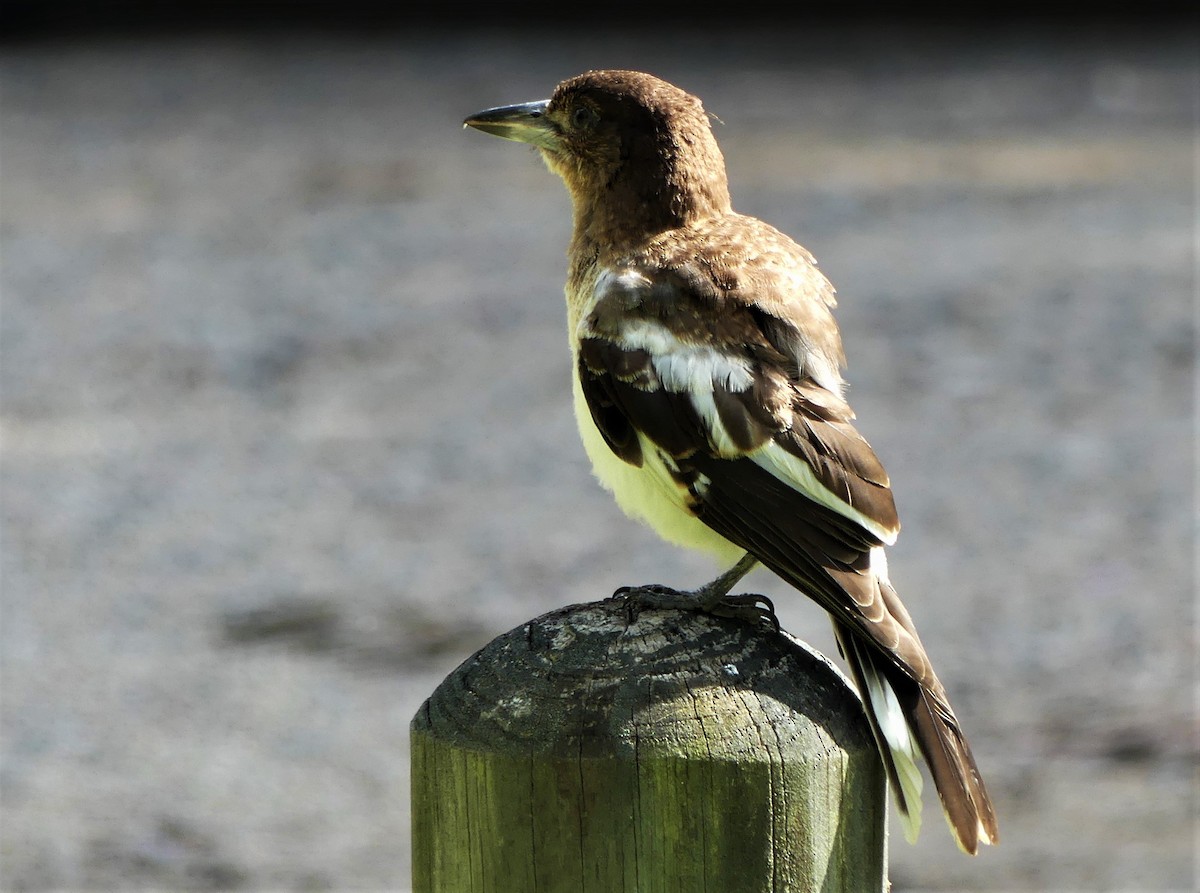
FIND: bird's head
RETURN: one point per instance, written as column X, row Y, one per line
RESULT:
column 628, row 145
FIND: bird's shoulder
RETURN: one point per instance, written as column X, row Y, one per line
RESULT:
column 746, row 258
column 733, row 287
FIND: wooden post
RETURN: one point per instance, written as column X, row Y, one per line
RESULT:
column 590, row 752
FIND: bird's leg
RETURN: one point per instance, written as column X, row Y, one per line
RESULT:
column 711, row 593
column 712, row 597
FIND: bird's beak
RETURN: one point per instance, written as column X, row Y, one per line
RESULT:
column 524, row 123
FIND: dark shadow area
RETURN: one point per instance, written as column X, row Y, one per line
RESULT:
column 79, row 19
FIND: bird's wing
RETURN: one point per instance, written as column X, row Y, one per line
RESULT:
column 769, row 457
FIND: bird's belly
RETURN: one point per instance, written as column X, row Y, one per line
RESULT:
column 649, row 493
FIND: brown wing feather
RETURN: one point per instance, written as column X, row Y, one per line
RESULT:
column 817, row 550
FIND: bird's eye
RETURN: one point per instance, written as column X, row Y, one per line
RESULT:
column 584, row 117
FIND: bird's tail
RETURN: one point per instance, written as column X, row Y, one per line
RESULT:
column 906, row 718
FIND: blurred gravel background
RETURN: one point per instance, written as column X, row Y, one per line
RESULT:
column 287, row 428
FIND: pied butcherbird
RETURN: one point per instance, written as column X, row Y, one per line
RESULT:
column 710, row 401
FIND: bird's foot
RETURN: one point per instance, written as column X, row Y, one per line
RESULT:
column 752, row 608
column 655, row 597
column 755, row 609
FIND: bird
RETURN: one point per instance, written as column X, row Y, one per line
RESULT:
column 709, row 397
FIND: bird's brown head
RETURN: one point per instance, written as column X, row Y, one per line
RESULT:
column 634, row 150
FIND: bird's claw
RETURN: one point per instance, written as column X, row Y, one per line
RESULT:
column 752, row 608
column 654, row 596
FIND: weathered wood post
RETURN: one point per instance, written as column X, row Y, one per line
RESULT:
column 588, row 751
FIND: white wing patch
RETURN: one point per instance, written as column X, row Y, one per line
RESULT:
column 683, row 367
column 694, row 370
column 798, row 474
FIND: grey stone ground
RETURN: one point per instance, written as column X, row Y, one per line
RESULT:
column 287, row 431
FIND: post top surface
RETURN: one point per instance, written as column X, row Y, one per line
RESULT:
column 590, row 678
